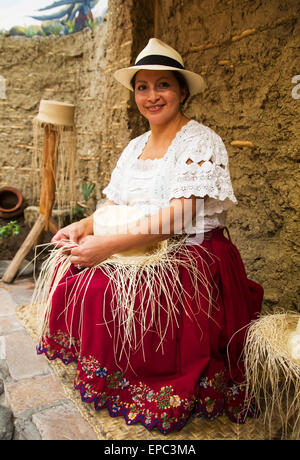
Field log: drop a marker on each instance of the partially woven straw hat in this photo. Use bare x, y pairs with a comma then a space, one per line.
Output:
113, 220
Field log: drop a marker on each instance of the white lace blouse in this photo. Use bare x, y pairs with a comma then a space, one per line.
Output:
151, 184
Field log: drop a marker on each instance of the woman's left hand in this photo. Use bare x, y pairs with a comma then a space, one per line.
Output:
91, 251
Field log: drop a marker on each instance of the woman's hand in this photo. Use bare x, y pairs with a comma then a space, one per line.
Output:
91, 251
74, 233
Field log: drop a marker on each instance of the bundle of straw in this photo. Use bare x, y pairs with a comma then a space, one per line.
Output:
272, 373
147, 276
65, 154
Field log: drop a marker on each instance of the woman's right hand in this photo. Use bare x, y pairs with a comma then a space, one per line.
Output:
74, 232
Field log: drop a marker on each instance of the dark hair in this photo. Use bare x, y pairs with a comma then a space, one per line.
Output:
180, 79
182, 83
132, 81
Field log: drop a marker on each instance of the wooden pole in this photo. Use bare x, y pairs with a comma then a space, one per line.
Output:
48, 174
47, 196
30, 241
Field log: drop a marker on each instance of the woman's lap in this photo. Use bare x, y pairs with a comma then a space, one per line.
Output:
178, 367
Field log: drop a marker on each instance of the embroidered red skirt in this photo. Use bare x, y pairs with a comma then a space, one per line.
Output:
196, 371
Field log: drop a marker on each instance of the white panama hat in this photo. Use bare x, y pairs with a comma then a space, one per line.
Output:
157, 55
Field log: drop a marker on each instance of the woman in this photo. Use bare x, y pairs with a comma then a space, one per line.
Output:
177, 173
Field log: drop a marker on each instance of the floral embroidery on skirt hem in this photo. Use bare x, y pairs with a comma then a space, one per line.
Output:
166, 411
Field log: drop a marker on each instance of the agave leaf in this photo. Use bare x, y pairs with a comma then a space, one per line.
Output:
87, 9
73, 13
91, 4
70, 11
58, 15
60, 3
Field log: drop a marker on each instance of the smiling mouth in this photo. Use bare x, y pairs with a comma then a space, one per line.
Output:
155, 108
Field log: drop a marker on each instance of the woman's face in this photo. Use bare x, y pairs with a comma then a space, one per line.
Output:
158, 95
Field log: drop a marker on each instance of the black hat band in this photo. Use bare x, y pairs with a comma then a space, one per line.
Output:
158, 59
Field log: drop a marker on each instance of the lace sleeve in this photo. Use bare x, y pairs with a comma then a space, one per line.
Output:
201, 169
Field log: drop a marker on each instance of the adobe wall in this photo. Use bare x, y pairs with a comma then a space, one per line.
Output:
246, 51
130, 24
62, 68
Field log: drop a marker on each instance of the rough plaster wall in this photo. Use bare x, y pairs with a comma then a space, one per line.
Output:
249, 97
115, 134
68, 68
130, 24
247, 52
77, 69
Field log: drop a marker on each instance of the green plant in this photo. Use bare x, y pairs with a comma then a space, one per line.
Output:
92, 23
17, 30
74, 10
52, 28
69, 27
87, 189
32, 30
80, 210
11, 229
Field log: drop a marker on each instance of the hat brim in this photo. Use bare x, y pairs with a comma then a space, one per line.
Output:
194, 81
54, 120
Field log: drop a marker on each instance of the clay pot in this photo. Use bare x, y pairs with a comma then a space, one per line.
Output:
11, 202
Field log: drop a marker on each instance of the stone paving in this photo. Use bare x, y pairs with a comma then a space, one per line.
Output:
33, 405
